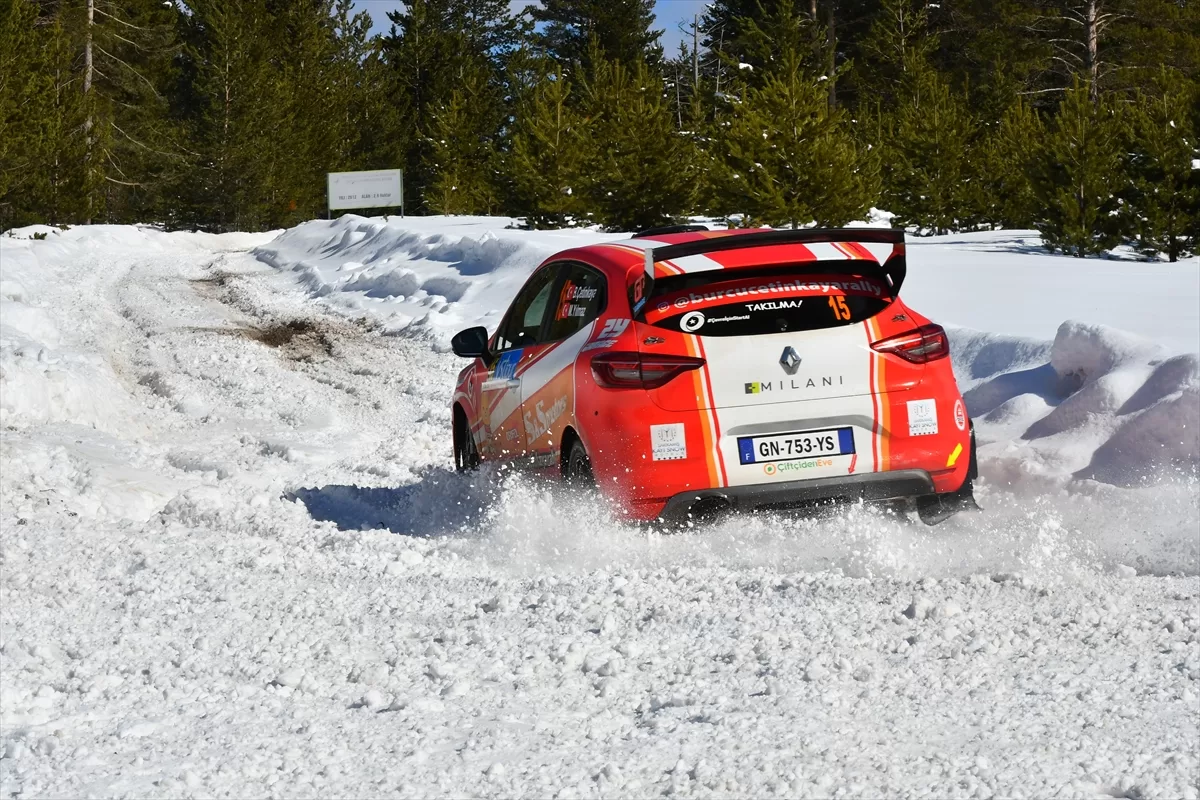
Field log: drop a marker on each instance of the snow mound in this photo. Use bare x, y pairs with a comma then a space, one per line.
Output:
423, 275
1097, 404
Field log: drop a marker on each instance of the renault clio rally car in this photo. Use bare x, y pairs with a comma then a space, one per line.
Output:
686, 372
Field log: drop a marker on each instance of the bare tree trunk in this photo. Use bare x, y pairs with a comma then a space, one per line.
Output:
1091, 60
678, 98
831, 55
720, 51
695, 55
816, 33
88, 122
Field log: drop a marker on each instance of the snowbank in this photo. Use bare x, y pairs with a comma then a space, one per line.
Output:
439, 274
1096, 404
424, 275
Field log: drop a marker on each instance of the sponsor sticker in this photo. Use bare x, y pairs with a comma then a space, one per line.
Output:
691, 321
567, 307
772, 305
637, 293
667, 442
922, 417
754, 290
506, 365
794, 384
960, 415
539, 420
784, 467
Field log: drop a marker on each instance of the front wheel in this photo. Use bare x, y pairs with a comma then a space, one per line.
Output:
577, 469
466, 455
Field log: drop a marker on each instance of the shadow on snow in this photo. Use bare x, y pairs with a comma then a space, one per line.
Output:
441, 503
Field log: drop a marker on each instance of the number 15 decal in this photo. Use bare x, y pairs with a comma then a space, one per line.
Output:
840, 309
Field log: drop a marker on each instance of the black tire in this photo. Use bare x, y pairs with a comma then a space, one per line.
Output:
577, 467
466, 455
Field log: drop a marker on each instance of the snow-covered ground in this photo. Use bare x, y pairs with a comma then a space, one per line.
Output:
235, 559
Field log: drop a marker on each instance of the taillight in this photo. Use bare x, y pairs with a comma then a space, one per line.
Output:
927, 343
639, 370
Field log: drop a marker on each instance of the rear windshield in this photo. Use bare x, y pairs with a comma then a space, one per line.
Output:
721, 303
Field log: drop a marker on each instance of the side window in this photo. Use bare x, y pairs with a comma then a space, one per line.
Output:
525, 315
578, 300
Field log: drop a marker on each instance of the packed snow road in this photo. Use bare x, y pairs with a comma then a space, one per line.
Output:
236, 562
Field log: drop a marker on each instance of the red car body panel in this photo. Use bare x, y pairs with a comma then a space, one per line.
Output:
694, 433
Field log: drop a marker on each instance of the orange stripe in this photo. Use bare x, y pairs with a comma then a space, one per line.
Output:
841, 249
712, 406
870, 329
885, 406
664, 269
705, 429
860, 252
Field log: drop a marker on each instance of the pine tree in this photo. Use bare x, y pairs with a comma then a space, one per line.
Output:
634, 171
897, 51
791, 157
545, 164
832, 35
85, 89
462, 153
233, 102
1165, 201
1006, 159
999, 49
123, 54
928, 173
44, 160
432, 48
1079, 174
621, 28
24, 85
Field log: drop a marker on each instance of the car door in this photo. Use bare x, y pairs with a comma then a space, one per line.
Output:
547, 376
500, 392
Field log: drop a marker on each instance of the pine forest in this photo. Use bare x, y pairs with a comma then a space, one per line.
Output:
1077, 118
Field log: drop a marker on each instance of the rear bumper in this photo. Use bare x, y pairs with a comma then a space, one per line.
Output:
895, 485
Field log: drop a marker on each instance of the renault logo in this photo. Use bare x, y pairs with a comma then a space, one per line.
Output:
790, 361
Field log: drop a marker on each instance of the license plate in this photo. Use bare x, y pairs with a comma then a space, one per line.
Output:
793, 446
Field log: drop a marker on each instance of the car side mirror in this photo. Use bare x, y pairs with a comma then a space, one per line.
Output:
471, 343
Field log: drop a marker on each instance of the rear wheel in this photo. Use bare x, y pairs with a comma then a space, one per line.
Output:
577, 468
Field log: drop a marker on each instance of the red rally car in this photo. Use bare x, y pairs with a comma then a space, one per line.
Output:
687, 372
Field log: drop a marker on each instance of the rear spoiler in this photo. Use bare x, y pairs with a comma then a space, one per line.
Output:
892, 270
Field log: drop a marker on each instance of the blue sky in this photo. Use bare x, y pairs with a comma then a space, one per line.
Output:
668, 16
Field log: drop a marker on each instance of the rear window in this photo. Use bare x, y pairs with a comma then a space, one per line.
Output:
721, 303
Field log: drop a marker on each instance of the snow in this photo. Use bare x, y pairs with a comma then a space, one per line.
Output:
236, 559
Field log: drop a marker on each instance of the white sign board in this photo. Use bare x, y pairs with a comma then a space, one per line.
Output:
372, 189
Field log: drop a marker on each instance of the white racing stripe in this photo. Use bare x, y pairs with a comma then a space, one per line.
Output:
555, 360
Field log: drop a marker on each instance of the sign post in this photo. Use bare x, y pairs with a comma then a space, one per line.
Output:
378, 188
